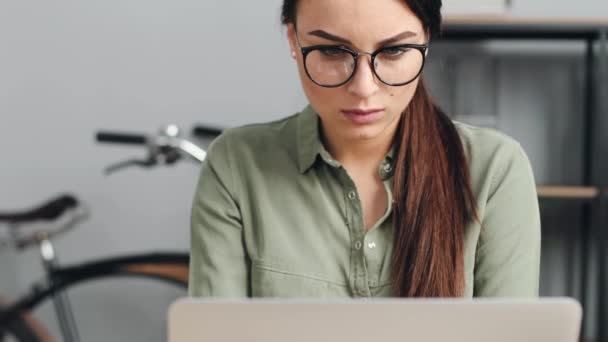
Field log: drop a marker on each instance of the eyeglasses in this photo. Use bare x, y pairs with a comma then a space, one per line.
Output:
331, 66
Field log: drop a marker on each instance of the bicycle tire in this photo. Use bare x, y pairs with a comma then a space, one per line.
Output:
168, 267
24, 328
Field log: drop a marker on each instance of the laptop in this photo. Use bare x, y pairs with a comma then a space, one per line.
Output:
375, 320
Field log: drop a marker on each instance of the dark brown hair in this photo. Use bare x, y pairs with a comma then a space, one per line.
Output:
432, 189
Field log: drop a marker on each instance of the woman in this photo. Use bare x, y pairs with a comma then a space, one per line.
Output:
371, 190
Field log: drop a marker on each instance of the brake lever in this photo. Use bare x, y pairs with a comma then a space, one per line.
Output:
192, 150
166, 155
128, 163
166, 148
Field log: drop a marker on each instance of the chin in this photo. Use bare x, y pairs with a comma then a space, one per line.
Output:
365, 133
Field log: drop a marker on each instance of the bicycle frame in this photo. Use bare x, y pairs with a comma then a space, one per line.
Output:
166, 146
169, 267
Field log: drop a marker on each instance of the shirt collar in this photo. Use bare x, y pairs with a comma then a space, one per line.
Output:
310, 146
308, 140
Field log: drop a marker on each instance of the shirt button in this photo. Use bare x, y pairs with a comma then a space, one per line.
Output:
352, 195
371, 245
358, 245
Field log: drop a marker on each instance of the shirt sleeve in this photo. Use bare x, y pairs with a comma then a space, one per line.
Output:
508, 250
218, 260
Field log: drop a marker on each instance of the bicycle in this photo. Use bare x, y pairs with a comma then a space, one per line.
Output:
167, 147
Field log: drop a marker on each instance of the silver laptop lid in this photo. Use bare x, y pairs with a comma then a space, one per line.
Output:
280, 320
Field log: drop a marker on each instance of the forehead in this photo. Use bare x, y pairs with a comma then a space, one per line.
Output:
358, 20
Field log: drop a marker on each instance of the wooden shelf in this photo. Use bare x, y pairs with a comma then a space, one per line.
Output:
511, 20
526, 28
572, 192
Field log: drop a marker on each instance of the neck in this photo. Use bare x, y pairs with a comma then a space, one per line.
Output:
360, 154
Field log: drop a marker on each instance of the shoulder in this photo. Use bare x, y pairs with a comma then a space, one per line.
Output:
485, 142
504, 244
260, 133
492, 156
251, 143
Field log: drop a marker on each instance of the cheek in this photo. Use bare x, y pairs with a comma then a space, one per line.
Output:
406, 92
310, 89
324, 100
400, 98
315, 94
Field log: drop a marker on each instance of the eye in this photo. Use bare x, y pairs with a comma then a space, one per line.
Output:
395, 51
332, 51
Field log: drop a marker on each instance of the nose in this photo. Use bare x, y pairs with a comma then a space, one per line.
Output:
364, 82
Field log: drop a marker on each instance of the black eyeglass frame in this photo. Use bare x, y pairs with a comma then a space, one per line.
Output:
422, 48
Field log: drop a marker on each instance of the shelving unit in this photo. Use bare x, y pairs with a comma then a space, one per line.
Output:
568, 192
591, 31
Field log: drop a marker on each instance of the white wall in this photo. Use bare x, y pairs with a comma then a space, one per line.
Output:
69, 68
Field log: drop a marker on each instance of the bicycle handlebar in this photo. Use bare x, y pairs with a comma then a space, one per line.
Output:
121, 138
206, 131
165, 147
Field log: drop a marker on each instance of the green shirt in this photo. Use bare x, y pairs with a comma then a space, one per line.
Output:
275, 216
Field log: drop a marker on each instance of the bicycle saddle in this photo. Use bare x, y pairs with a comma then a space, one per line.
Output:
46, 212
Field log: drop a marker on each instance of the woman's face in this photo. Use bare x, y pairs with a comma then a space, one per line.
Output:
361, 25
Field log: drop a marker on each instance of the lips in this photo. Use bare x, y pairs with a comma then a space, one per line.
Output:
360, 111
363, 116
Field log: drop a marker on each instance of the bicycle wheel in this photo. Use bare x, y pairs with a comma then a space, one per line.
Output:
170, 268
24, 328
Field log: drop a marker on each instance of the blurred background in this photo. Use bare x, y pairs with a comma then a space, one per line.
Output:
71, 68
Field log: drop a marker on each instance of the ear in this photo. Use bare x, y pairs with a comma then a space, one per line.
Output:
291, 38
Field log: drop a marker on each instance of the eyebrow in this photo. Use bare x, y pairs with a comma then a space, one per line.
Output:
332, 37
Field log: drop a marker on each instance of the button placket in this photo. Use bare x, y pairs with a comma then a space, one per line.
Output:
385, 169
358, 245
359, 273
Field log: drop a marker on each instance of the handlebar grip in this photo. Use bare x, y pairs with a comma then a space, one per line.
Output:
121, 138
206, 131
